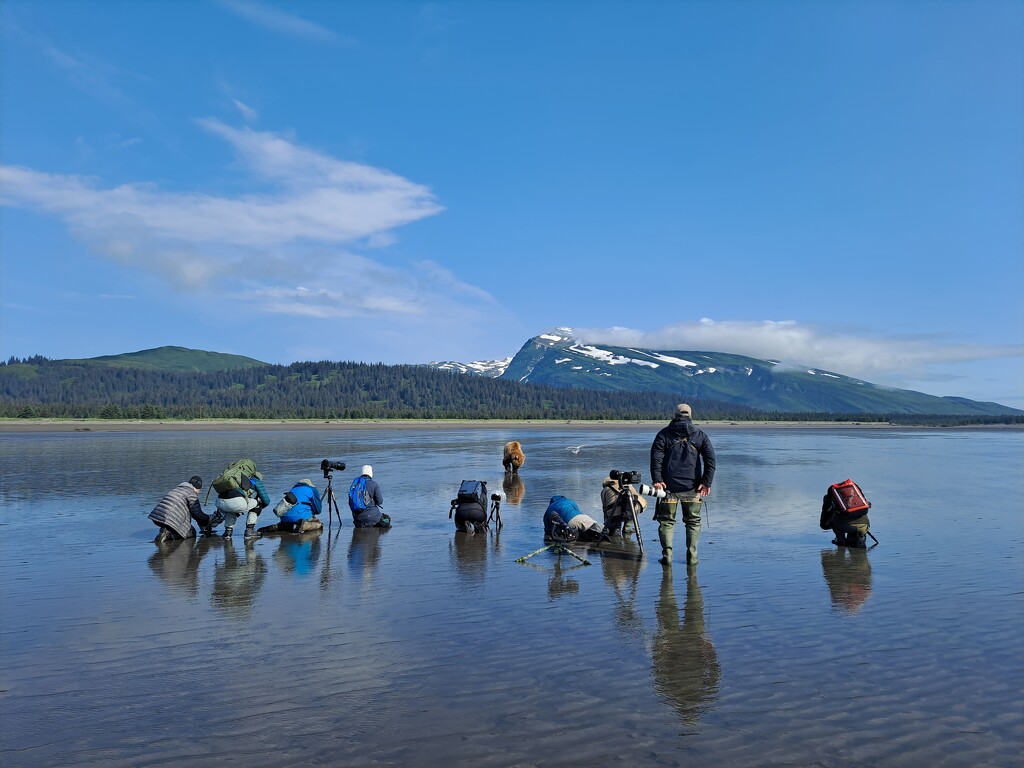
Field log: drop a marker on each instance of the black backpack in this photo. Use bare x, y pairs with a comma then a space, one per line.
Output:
471, 503
472, 492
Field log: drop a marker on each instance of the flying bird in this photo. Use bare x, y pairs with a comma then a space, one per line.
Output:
574, 448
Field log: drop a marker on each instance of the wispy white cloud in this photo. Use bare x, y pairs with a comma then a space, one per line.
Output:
288, 243
276, 20
438, 17
306, 196
89, 73
880, 359
248, 113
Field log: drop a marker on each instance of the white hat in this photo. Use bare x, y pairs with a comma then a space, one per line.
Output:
367, 470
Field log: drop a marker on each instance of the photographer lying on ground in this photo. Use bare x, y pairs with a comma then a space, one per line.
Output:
298, 510
563, 521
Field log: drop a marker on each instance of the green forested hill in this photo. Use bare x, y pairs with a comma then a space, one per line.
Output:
329, 390
174, 359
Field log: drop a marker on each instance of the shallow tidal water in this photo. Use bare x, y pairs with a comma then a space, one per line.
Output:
420, 646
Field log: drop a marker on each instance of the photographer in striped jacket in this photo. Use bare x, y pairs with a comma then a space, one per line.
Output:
174, 513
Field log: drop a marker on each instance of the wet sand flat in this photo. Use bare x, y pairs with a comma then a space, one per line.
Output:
420, 646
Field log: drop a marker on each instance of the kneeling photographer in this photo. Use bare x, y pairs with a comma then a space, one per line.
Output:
564, 522
298, 510
683, 466
367, 502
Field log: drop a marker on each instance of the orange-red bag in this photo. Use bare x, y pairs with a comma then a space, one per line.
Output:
848, 497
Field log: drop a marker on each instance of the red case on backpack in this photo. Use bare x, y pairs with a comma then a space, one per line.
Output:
848, 497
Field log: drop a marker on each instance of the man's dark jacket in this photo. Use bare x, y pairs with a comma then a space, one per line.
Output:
682, 457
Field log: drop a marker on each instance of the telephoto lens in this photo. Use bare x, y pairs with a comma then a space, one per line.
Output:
650, 490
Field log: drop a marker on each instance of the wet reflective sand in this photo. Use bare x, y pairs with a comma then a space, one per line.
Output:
420, 646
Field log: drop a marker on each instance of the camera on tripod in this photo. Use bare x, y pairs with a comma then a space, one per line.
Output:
624, 477
328, 466
563, 533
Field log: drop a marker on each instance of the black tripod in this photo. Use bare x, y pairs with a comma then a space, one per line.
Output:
626, 493
495, 512
331, 502
558, 548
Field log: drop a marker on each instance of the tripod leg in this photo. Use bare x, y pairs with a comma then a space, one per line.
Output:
636, 522
565, 550
524, 558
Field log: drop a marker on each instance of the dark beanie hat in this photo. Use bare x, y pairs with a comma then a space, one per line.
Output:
196, 481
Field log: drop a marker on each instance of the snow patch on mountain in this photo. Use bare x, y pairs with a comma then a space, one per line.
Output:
673, 360
489, 368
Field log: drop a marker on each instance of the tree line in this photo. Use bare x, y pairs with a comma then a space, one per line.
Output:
37, 387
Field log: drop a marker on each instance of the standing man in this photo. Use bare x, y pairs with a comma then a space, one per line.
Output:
174, 513
682, 463
366, 501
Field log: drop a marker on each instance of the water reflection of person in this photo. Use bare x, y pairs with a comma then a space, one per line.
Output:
514, 488
364, 551
299, 553
684, 660
621, 571
469, 551
848, 576
176, 563
237, 579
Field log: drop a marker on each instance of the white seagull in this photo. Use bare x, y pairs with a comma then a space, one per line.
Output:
574, 448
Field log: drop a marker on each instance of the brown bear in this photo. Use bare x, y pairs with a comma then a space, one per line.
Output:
514, 457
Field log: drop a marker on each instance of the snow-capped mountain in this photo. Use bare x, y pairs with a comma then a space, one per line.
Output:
558, 358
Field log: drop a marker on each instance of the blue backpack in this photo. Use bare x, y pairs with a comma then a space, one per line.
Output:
358, 497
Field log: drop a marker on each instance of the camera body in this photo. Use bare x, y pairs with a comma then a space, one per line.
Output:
624, 477
564, 533
648, 490
328, 466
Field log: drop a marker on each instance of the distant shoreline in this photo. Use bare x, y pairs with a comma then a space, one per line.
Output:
32, 426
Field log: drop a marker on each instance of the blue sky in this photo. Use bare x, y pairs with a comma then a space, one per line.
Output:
836, 184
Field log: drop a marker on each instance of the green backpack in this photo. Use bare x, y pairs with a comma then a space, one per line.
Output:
236, 477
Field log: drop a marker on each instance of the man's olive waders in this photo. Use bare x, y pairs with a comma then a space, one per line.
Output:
665, 514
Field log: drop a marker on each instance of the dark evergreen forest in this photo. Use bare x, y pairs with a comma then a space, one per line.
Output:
39, 387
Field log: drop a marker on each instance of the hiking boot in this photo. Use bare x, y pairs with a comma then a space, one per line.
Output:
163, 537
250, 532
215, 519
227, 533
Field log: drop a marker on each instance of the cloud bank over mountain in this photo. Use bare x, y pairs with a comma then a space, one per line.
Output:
883, 359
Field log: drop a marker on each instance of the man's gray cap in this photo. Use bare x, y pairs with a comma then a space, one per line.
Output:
684, 410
